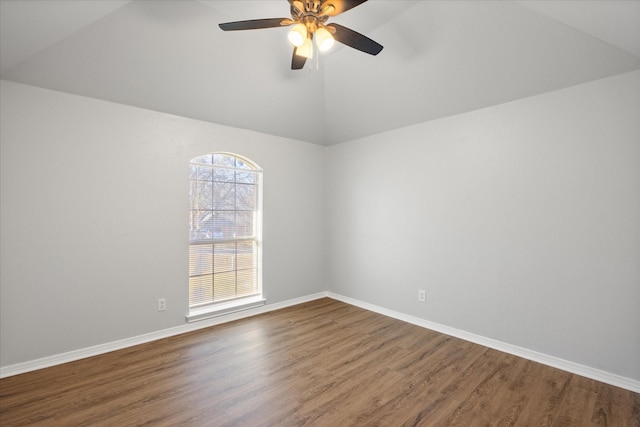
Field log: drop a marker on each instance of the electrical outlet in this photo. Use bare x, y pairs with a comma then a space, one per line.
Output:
422, 295
162, 304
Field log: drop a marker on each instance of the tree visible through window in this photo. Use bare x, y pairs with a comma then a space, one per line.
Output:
224, 231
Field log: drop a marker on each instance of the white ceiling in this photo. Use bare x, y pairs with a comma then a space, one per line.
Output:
440, 58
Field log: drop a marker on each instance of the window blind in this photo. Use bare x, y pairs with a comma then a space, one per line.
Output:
224, 229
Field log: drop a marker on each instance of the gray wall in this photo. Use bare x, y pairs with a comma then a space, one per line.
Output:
94, 218
521, 221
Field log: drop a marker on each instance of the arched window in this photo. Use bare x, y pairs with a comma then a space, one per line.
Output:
224, 233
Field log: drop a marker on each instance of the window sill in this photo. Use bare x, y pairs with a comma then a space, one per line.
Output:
225, 308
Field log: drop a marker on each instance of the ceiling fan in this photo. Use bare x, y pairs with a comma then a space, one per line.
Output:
308, 18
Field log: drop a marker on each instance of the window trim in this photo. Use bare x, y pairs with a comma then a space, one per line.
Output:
221, 308
224, 308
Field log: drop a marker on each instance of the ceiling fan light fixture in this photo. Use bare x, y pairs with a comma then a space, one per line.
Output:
298, 35
324, 39
306, 49
308, 30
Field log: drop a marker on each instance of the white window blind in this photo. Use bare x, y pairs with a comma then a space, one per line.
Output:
224, 232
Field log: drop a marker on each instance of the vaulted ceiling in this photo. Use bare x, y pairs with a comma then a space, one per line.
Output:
440, 58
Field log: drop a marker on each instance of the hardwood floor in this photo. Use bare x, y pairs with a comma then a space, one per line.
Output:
322, 363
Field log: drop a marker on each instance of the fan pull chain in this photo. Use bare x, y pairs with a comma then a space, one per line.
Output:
315, 57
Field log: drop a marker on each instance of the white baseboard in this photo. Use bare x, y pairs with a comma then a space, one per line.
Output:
82, 353
565, 365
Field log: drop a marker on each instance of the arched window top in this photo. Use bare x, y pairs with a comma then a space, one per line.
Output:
225, 160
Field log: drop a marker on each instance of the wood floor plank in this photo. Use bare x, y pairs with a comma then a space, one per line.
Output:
322, 363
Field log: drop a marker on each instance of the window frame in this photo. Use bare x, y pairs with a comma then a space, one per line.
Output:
237, 303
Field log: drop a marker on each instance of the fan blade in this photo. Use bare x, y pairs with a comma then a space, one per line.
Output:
297, 62
354, 39
340, 6
255, 24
